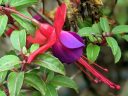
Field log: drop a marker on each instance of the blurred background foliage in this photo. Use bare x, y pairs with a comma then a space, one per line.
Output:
117, 12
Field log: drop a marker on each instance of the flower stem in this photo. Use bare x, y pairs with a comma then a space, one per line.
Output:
21, 15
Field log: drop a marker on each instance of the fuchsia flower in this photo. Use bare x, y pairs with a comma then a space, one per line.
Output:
45, 35
66, 46
69, 47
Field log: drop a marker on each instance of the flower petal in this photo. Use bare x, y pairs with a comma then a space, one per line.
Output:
51, 40
66, 55
46, 30
60, 18
70, 41
39, 38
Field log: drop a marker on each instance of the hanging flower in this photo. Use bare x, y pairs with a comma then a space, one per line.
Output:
69, 48
45, 36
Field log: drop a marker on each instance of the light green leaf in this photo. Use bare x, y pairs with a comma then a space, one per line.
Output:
96, 28
50, 62
120, 29
118, 55
3, 23
2, 93
92, 52
15, 81
26, 24
5, 1
51, 90
113, 44
36, 82
8, 62
104, 24
125, 37
17, 3
1, 1
64, 81
34, 47
86, 31
18, 39
115, 48
3, 76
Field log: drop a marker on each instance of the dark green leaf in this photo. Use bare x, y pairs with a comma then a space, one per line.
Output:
8, 62
3, 76
36, 82
104, 24
18, 39
64, 81
3, 23
15, 81
51, 90
120, 29
50, 75
50, 62
92, 52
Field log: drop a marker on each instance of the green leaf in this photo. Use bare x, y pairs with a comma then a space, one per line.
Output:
2, 93
3, 23
115, 48
51, 90
104, 24
118, 55
125, 37
96, 28
3, 76
50, 62
17, 3
15, 81
64, 81
18, 39
8, 62
86, 31
5, 1
120, 29
50, 76
92, 52
26, 24
34, 47
1, 1
113, 44
36, 82
36, 93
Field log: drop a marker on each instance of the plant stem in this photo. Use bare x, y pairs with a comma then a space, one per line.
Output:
18, 13
43, 16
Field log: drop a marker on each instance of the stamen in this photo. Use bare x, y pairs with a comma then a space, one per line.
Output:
104, 69
98, 75
89, 76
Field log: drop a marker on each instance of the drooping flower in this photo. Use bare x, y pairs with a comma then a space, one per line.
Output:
69, 48
45, 36
66, 46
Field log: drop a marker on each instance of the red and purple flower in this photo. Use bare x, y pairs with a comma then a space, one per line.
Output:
66, 46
